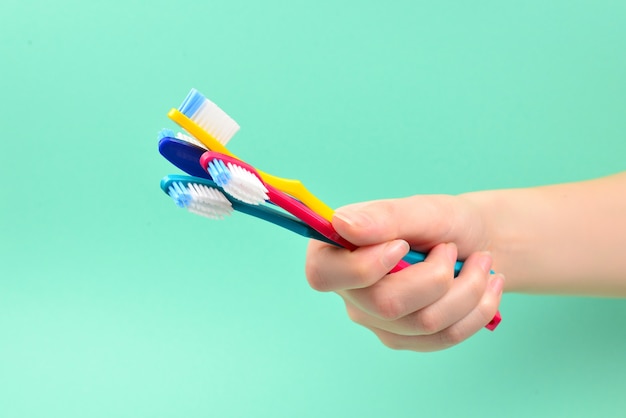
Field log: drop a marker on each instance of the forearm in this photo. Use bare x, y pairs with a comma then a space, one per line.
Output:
560, 239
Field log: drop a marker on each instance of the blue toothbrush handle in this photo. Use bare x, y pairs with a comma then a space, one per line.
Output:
271, 214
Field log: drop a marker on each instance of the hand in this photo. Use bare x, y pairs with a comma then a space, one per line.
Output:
421, 308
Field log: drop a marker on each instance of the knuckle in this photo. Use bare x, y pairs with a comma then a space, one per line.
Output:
442, 278
453, 336
427, 321
440, 271
387, 306
444, 282
315, 278
476, 287
362, 274
367, 272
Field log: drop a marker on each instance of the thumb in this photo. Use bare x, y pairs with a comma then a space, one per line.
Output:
366, 223
423, 221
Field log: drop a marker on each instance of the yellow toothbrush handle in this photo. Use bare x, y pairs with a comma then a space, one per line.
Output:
200, 134
296, 189
292, 187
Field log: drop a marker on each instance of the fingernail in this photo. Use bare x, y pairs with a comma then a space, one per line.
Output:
485, 261
354, 219
497, 284
393, 252
451, 251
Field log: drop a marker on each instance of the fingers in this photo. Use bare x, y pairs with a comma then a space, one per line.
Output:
421, 315
403, 317
400, 294
456, 333
330, 268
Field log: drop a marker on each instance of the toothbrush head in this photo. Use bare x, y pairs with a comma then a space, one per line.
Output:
200, 199
168, 133
184, 155
209, 116
238, 179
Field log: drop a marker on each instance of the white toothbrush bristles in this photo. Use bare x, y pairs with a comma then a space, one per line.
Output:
201, 200
215, 121
190, 139
245, 186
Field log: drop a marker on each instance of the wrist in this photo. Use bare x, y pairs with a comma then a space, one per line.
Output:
507, 234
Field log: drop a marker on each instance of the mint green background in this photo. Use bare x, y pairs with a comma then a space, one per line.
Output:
113, 303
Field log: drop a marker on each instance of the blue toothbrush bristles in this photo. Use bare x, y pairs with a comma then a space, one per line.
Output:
219, 172
166, 133
192, 102
180, 194
200, 199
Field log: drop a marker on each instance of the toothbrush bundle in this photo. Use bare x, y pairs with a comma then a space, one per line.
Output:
219, 183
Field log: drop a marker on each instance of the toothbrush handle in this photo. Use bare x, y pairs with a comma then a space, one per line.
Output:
296, 189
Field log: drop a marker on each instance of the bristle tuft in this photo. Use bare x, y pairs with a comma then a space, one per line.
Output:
245, 186
200, 199
180, 194
219, 172
208, 202
166, 133
209, 116
238, 182
190, 140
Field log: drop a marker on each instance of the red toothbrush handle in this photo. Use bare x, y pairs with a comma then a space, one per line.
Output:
495, 321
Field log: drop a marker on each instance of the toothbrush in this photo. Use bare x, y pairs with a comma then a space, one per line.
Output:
189, 192
204, 197
242, 181
214, 128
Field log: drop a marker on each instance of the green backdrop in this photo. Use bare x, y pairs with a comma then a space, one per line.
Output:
114, 303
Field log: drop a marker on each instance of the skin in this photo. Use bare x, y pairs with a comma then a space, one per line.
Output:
566, 239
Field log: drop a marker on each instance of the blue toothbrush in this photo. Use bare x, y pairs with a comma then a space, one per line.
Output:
183, 190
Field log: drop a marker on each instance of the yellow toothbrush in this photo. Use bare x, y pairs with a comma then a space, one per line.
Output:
213, 127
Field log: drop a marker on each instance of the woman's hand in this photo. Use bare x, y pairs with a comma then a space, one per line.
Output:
422, 307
